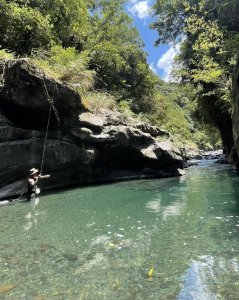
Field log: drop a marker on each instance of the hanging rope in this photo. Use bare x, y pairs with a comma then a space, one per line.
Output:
46, 135
52, 107
50, 100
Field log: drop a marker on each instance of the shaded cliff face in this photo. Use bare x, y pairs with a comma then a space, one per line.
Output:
235, 114
82, 148
216, 112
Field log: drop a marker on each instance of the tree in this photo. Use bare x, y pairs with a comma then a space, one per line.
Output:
207, 54
117, 55
69, 19
23, 28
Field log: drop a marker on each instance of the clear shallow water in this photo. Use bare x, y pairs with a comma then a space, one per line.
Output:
99, 242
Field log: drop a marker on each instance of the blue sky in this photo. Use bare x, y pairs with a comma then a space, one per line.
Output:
160, 58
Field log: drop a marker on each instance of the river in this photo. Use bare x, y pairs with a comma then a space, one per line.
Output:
100, 242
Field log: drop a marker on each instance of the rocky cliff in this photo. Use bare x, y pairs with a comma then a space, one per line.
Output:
235, 117
81, 148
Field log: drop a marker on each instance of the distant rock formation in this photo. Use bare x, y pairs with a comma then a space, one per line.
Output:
83, 148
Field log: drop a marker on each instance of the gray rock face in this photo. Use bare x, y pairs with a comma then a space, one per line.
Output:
235, 117
83, 148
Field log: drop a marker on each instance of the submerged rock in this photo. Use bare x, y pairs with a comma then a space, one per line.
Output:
6, 288
70, 256
83, 148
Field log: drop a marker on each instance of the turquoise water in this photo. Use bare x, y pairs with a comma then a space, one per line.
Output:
100, 242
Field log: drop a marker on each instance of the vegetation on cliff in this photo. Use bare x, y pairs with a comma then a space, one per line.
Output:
94, 46
208, 32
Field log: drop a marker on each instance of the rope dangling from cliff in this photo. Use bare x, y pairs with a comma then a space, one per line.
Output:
46, 135
52, 107
50, 100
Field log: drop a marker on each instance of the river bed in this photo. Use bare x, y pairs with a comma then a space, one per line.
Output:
100, 242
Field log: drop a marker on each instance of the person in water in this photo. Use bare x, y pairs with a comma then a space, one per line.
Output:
35, 175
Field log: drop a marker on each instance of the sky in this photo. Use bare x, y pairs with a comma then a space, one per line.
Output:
160, 58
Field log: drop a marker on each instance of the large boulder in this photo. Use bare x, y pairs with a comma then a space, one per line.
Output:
26, 94
82, 148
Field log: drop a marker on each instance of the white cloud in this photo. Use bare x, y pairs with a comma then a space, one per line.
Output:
165, 63
140, 9
152, 67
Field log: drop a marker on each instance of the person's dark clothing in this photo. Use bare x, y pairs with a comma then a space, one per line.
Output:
31, 193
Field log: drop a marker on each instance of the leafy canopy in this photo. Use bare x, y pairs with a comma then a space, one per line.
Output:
208, 32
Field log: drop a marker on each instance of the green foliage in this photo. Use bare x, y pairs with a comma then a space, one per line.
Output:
4, 54
171, 16
67, 65
170, 110
209, 47
23, 28
207, 138
169, 20
110, 22
107, 61
117, 55
174, 108
69, 20
125, 107
101, 100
